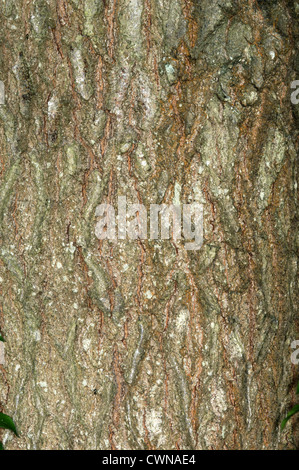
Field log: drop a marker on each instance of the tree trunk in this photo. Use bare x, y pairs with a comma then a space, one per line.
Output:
123, 344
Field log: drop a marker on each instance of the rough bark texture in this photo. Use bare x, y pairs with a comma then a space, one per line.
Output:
144, 345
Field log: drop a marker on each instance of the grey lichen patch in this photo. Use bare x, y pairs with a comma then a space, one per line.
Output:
71, 337
171, 72
101, 282
154, 424
8, 8
94, 24
125, 147
225, 82
95, 191
218, 400
215, 138
118, 314
8, 184
148, 100
72, 153
239, 36
82, 84
270, 165
178, 327
162, 184
41, 19
41, 203
70, 168
143, 167
184, 395
85, 232
9, 123
207, 256
235, 347
12, 264
130, 22
250, 96
139, 351
91, 9
53, 106
94, 129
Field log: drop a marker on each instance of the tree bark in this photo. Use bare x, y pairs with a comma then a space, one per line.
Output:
142, 344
